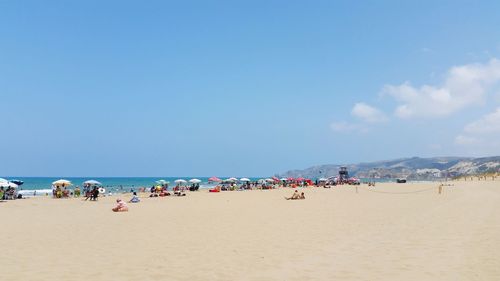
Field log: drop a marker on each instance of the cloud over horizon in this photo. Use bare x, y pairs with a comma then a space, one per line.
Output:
368, 113
484, 132
464, 86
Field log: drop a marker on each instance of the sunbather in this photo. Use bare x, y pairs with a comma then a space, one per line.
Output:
295, 196
121, 206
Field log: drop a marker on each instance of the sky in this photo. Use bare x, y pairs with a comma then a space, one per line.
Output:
243, 88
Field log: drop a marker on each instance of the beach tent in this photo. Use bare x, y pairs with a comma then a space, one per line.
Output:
180, 181
92, 183
244, 179
61, 183
194, 181
214, 179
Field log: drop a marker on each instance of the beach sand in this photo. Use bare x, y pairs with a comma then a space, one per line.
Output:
335, 234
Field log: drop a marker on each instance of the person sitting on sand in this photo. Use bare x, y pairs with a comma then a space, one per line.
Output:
302, 196
295, 196
179, 193
164, 193
77, 192
135, 198
121, 206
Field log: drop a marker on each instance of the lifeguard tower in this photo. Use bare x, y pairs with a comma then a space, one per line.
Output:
343, 175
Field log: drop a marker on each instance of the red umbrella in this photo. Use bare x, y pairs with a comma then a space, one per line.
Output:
276, 179
300, 179
214, 179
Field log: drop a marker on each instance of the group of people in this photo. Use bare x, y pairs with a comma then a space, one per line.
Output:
8, 193
63, 192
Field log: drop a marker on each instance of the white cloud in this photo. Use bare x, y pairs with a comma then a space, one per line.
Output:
368, 113
463, 87
489, 123
482, 134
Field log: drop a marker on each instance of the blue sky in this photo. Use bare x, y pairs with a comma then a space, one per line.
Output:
243, 88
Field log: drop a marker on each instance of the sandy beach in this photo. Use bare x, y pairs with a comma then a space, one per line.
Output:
393, 232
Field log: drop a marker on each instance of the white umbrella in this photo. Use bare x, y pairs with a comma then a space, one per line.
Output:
162, 182
322, 179
3, 180
181, 181
194, 181
8, 184
283, 179
245, 179
269, 180
92, 182
232, 179
61, 182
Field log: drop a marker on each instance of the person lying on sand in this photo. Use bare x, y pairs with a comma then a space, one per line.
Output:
295, 196
179, 193
121, 206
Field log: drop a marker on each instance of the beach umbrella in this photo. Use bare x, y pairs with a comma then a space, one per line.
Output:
162, 182
244, 179
92, 182
18, 182
180, 181
232, 179
214, 179
61, 182
322, 179
194, 181
8, 184
300, 179
269, 180
275, 179
283, 179
3, 180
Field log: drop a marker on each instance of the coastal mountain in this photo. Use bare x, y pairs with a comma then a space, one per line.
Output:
414, 168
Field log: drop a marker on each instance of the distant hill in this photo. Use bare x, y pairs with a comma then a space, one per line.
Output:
415, 168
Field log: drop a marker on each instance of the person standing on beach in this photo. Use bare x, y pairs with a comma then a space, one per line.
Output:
95, 194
